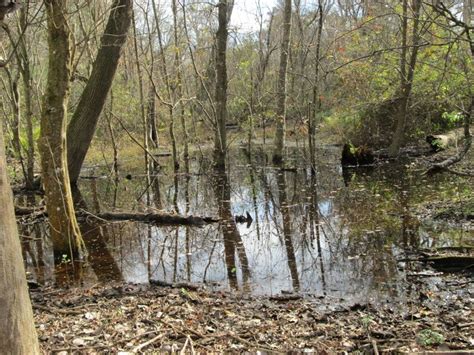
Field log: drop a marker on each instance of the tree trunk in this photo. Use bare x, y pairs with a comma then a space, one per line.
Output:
407, 72
315, 104
52, 143
281, 90
17, 330
84, 121
179, 81
467, 12
220, 138
152, 116
25, 71
169, 90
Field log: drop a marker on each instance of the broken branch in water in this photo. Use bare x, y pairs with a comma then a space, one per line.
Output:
153, 218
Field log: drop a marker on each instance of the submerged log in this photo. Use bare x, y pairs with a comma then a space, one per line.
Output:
356, 156
162, 219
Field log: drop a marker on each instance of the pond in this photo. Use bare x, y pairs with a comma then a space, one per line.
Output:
338, 235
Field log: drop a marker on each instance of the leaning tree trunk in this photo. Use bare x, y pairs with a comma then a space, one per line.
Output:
84, 121
220, 138
17, 328
64, 229
281, 90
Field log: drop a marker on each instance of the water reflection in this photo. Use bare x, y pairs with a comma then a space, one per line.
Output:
326, 234
95, 234
287, 239
234, 248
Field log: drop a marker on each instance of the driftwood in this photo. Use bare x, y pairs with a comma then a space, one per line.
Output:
161, 219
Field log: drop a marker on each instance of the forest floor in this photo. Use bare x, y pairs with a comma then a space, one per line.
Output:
126, 318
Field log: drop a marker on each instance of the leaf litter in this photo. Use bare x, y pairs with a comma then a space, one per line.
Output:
134, 318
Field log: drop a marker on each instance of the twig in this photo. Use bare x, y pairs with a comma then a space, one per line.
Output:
376, 349
199, 335
183, 350
149, 342
79, 348
465, 325
57, 310
250, 344
191, 345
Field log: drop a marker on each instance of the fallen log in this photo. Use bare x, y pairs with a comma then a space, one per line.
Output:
452, 263
157, 218
162, 219
185, 285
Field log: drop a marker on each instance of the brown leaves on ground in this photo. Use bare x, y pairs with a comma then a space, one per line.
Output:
134, 318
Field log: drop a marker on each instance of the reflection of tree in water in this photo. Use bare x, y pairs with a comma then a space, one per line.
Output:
187, 203
326, 237
287, 233
95, 235
315, 226
233, 244
32, 236
375, 209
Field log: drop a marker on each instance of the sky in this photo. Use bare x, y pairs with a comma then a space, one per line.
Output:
244, 13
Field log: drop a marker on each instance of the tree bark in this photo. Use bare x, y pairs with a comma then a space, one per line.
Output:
84, 121
220, 137
65, 232
281, 90
169, 89
312, 121
25, 71
179, 81
17, 330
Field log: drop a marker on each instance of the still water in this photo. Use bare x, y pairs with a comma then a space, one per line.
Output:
336, 235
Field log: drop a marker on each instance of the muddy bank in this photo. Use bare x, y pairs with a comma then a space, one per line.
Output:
437, 315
